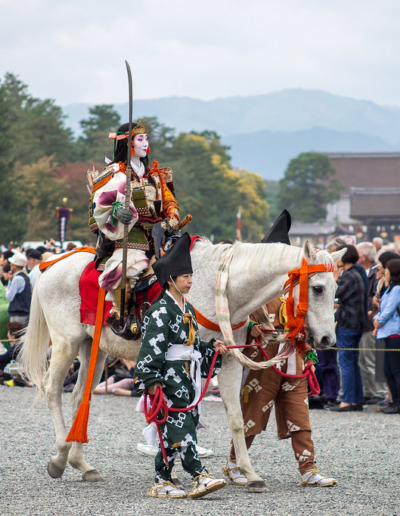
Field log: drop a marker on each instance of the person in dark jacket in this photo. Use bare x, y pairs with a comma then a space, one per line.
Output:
19, 290
374, 392
351, 320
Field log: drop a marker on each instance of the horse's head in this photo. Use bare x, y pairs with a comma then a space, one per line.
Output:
320, 323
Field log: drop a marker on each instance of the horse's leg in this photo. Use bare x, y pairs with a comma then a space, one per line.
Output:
63, 354
229, 381
75, 457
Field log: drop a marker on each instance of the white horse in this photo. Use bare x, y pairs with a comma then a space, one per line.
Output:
257, 275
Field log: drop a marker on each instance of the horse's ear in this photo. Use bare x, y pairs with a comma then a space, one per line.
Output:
337, 255
309, 254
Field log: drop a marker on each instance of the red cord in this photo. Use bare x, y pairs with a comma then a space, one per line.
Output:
158, 403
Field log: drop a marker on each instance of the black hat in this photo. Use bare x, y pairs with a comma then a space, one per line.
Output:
7, 254
279, 231
175, 262
34, 253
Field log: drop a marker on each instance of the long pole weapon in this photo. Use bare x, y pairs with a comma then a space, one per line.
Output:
127, 199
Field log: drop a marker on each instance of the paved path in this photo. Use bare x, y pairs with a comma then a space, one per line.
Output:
362, 450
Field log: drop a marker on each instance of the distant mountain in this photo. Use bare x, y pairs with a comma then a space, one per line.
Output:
283, 123
268, 153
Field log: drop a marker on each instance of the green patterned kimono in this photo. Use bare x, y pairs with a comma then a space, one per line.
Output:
163, 329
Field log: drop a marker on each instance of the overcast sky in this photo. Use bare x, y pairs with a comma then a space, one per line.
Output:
74, 50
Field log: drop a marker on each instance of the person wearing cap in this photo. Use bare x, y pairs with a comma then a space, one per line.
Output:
33, 262
152, 201
19, 290
173, 357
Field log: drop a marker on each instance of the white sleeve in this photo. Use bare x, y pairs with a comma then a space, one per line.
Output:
105, 199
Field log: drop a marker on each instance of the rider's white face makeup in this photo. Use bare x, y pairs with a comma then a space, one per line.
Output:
141, 144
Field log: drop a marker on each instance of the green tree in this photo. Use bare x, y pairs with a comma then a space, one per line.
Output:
95, 144
211, 191
161, 139
12, 225
36, 126
255, 209
272, 197
308, 186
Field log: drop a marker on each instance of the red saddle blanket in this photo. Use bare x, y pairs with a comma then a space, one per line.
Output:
89, 292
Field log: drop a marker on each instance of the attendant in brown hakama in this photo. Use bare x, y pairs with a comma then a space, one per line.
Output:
264, 389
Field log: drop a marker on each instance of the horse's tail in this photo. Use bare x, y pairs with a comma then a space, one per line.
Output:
33, 354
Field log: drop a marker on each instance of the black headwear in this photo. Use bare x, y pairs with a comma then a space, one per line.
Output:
386, 256
279, 231
175, 262
34, 253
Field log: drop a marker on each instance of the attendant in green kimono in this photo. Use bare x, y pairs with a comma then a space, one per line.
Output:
173, 357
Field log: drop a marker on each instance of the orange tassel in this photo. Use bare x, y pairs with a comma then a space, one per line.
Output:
78, 430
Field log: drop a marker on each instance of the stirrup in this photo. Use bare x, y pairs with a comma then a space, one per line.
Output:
313, 478
166, 489
130, 330
234, 474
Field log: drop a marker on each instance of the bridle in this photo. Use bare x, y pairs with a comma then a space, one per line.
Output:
300, 276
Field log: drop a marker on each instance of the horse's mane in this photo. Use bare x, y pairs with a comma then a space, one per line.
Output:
250, 256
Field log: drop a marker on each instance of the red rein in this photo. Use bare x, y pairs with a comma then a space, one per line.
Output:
295, 324
159, 405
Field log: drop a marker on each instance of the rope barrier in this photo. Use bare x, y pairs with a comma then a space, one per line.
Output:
360, 349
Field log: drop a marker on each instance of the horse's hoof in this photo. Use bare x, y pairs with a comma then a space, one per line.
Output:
257, 486
53, 470
92, 476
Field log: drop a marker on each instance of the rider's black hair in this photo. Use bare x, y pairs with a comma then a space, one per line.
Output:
121, 148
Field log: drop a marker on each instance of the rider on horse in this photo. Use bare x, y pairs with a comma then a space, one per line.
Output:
152, 201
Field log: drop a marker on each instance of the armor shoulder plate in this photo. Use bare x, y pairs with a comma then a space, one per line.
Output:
105, 176
167, 174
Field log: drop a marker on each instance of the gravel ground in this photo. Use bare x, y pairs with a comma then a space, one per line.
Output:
361, 450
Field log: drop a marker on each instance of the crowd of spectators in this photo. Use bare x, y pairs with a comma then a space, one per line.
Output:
365, 368
19, 271
367, 314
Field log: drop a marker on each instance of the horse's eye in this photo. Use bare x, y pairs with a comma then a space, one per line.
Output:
318, 289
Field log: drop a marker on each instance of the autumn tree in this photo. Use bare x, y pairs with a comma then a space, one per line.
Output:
44, 193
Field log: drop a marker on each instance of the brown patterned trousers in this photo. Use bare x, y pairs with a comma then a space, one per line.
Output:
265, 389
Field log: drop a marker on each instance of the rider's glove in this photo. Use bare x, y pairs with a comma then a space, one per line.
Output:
123, 215
172, 226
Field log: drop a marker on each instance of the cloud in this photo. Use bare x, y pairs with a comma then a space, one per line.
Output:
74, 51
